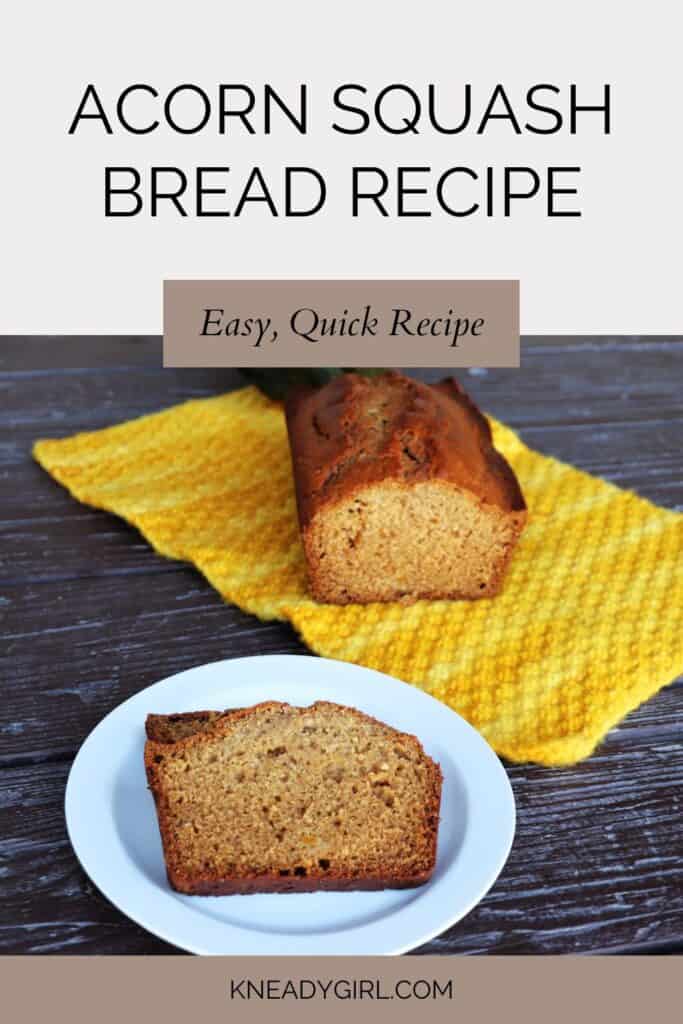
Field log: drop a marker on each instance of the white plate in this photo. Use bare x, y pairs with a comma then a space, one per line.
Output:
112, 823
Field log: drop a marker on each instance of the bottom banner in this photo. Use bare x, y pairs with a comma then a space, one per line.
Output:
172, 989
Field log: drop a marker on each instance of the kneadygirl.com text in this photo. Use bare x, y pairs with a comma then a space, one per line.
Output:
340, 988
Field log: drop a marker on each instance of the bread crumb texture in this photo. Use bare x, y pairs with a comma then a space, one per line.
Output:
588, 624
280, 798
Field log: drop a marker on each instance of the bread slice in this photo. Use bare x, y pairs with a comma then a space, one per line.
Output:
400, 492
277, 798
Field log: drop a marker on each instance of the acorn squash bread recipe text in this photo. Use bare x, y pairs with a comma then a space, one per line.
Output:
237, 112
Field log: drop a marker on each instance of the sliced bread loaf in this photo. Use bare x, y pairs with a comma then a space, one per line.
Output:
277, 798
400, 492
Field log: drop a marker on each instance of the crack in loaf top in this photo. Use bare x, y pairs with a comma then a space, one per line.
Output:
358, 431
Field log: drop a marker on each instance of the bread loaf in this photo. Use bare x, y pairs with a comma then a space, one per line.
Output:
400, 492
277, 798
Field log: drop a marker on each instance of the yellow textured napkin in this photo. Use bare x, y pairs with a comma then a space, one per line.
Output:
589, 624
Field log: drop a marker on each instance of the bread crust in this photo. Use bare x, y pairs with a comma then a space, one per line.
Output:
430, 432
180, 725
206, 883
198, 886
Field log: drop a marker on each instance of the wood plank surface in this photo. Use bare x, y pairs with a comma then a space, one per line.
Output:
90, 615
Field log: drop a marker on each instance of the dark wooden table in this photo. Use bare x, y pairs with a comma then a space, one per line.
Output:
89, 615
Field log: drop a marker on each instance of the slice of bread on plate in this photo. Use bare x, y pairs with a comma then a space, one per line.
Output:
277, 798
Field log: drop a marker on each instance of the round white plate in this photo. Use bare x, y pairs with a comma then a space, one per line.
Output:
112, 822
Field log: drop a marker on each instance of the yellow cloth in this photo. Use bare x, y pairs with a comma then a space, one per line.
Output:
589, 624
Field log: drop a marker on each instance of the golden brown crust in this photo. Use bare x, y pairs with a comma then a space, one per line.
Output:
171, 728
498, 466
208, 883
198, 886
357, 431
